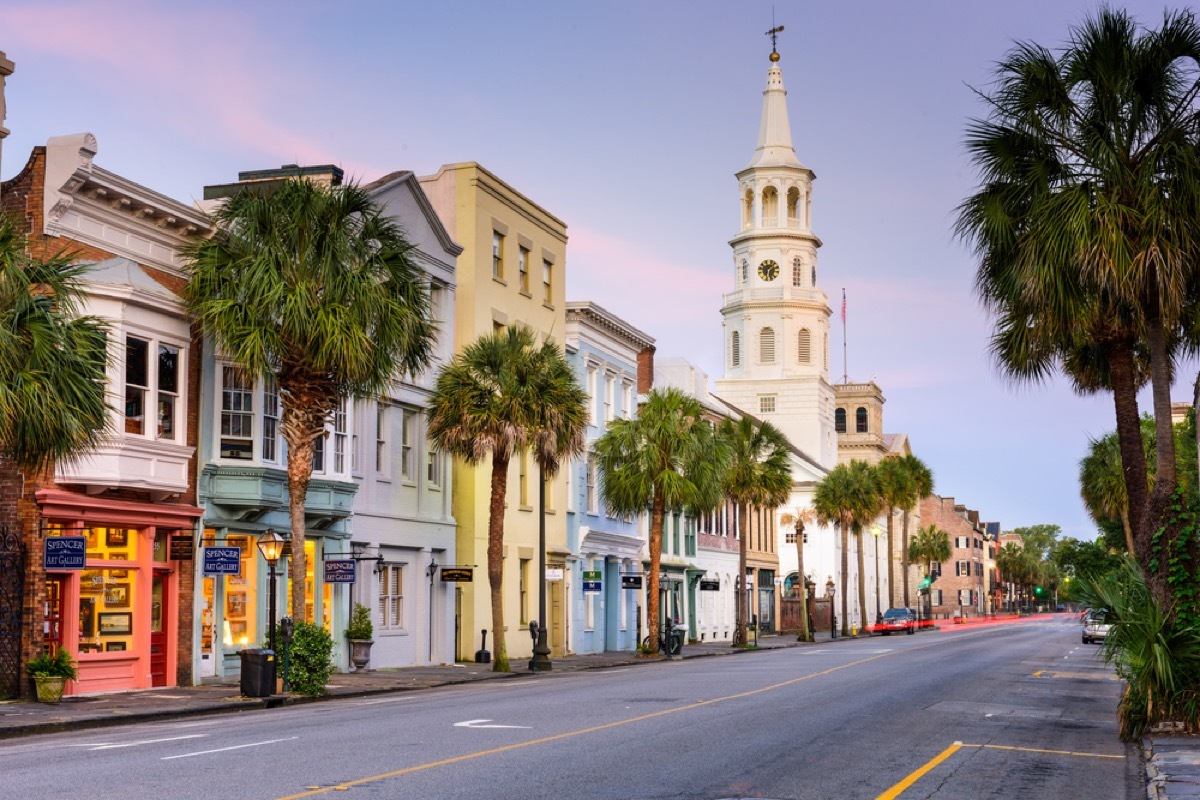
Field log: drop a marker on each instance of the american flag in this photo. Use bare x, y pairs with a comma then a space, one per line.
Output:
843, 306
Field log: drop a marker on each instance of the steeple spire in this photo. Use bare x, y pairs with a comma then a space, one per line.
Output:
774, 134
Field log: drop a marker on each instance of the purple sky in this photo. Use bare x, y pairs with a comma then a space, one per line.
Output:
627, 120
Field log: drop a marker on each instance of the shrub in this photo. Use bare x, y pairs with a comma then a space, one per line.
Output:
309, 658
360, 626
56, 665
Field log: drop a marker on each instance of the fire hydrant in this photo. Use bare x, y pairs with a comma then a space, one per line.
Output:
854, 630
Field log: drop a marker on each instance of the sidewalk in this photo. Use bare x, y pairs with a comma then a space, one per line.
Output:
22, 718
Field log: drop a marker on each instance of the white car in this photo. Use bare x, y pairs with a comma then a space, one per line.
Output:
1095, 625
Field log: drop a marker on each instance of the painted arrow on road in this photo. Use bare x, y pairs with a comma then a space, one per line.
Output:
478, 723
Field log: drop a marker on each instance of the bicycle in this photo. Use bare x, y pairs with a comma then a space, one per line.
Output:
676, 642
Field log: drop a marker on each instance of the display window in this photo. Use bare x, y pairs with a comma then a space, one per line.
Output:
227, 604
316, 600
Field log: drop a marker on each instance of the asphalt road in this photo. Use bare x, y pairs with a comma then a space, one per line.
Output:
1006, 711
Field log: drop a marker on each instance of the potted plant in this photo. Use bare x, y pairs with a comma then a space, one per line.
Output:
359, 632
50, 673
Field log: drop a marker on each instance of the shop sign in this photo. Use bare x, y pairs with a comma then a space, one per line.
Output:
591, 581
222, 561
457, 575
181, 548
554, 573
65, 552
710, 586
340, 571
631, 581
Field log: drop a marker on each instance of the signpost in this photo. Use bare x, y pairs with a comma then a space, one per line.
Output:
592, 581
631, 581
64, 552
457, 575
222, 561
340, 571
710, 586
181, 548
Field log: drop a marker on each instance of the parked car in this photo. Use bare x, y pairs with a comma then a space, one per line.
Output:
1095, 625
897, 619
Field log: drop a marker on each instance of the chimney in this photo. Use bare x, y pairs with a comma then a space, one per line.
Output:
646, 370
264, 181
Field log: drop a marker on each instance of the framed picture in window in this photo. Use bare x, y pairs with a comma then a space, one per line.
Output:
87, 617
114, 647
118, 623
116, 537
91, 581
235, 604
122, 556
116, 595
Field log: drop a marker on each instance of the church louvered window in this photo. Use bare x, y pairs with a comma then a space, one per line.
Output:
860, 420
804, 346
766, 344
735, 349
797, 272
839, 420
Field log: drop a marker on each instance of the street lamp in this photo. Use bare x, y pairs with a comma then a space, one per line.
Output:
270, 544
541, 651
875, 531
832, 613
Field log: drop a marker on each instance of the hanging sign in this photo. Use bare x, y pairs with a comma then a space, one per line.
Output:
710, 586
631, 581
591, 581
554, 573
181, 548
340, 571
457, 575
222, 561
65, 552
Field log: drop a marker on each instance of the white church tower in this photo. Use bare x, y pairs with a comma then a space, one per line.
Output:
776, 319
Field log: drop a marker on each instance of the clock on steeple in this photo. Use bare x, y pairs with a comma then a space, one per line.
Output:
768, 270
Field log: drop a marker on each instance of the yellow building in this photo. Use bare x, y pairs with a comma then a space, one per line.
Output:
511, 271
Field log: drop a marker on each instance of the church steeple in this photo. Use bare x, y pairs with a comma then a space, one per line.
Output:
774, 133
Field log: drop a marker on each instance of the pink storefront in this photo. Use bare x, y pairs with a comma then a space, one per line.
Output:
120, 614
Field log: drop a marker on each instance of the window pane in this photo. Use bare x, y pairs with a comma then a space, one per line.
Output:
168, 364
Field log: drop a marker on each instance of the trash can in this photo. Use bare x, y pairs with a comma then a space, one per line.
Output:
258, 673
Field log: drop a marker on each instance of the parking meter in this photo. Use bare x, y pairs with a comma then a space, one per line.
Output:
670, 635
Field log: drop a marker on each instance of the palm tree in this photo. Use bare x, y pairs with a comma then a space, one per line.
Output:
922, 486
52, 361
668, 459
759, 476
799, 519
1011, 562
313, 288
1091, 180
897, 490
1102, 484
505, 392
930, 545
848, 497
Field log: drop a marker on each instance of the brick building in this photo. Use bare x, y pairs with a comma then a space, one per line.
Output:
128, 614
961, 585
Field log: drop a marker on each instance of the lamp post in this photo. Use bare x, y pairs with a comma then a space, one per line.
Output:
270, 544
875, 531
832, 614
541, 651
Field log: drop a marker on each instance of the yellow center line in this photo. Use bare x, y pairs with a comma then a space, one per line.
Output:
468, 756
898, 789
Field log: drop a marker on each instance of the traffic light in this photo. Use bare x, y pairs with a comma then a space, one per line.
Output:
1038, 591
925, 582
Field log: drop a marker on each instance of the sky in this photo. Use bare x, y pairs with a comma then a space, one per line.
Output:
627, 120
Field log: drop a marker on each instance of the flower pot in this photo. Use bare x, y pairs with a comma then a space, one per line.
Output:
360, 653
49, 688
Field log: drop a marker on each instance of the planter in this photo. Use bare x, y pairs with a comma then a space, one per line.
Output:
49, 688
360, 653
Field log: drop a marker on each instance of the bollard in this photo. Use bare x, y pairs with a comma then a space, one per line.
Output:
482, 656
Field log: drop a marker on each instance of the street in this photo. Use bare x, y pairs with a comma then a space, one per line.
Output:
1016, 710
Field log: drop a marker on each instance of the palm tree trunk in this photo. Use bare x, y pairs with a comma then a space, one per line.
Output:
657, 511
904, 566
862, 584
1125, 526
739, 631
1129, 440
1156, 514
844, 525
301, 425
495, 558
805, 633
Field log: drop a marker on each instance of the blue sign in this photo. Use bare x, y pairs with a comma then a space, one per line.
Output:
65, 552
340, 571
591, 586
222, 561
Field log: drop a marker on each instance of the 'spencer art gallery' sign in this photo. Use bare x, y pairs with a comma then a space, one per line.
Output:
64, 552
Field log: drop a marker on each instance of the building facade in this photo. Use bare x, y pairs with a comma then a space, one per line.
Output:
128, 613
511, 271
960, 588
606, 550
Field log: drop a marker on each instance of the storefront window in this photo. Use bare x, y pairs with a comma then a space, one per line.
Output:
106, 603
311, 561
227, 601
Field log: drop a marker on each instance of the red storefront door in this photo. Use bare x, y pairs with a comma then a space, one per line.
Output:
158, 628
52, 633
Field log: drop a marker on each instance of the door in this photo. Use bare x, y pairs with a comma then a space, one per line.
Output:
52, 632
158, 628
558, 643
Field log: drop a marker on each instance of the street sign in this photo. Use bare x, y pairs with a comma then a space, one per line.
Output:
340, 571
458, 575
631, 581
65, 552
710, 586
554, 573
222, 561
592, 586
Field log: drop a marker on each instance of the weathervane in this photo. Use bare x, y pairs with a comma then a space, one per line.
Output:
773, 33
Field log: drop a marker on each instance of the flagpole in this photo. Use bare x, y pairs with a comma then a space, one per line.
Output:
845, 369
